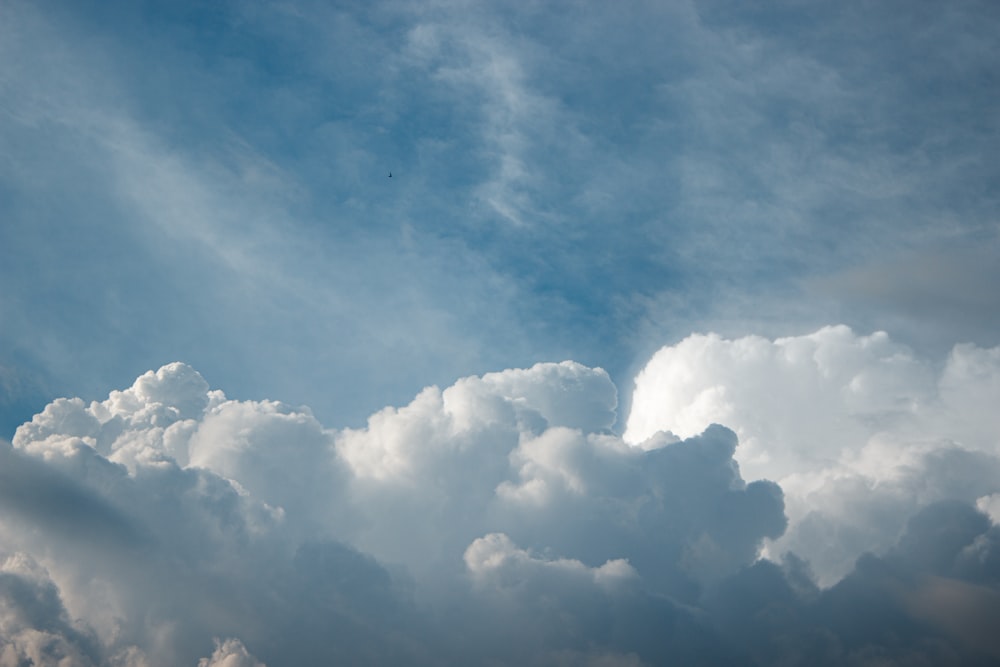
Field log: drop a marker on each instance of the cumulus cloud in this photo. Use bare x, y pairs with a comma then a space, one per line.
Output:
516, 453
501, 497
501, 521
857, 430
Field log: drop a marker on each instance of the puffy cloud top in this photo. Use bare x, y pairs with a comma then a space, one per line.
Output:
856, 429
793, 401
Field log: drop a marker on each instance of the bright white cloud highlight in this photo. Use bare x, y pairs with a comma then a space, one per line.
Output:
856, 429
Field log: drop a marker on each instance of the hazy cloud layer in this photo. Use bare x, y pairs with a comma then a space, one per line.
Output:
499, 521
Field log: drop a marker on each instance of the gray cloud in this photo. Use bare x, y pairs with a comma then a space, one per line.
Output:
950, 284
931, 599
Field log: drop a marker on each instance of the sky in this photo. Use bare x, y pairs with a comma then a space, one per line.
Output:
673, 337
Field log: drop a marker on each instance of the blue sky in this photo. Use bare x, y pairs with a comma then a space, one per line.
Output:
207, 182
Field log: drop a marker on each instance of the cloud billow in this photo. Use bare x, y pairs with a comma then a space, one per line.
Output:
858, 430
501, 521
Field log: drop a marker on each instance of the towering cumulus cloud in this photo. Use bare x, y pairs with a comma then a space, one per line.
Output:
501, 521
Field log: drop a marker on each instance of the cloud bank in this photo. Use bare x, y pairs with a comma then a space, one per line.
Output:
501, 521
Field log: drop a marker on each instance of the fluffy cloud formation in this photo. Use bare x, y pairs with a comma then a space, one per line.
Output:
856, 429
498, 521
168, 516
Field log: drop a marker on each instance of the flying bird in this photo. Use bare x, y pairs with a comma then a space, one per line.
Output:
390, 174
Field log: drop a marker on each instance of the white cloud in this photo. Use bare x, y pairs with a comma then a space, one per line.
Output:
831, 384
857, 429
527, 453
